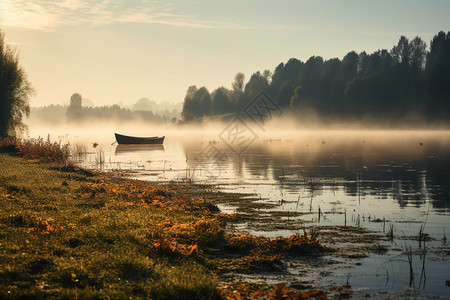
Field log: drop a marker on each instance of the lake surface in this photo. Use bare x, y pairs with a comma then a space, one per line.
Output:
379, 180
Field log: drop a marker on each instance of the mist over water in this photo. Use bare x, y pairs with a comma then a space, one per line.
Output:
378, 161
351, 145
355, 177
271, 156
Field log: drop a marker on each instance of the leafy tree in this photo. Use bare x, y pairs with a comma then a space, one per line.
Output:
277, 79
438, 75
418, 53
254, 86
409, 53
205, 101
267, 74
331, 82
237, 93
350, 66
378, 62
282, 74
402, 51
197, 103
221, 101
15, 91
74, 110
238, 84
310, 78
363, 62
292, 70
76, 101
191, 105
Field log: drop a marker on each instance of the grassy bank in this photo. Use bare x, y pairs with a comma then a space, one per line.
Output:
66, 232
63, 235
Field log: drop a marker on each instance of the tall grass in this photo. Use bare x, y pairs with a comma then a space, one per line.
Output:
78, 151
39, 148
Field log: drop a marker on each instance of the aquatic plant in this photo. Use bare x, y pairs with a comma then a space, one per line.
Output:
79, 151
444, 238
390, 232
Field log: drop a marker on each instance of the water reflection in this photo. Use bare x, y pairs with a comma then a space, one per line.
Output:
409, 169
409, 172
123, 149
380, 181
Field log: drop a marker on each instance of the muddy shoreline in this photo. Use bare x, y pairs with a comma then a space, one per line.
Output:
350, 245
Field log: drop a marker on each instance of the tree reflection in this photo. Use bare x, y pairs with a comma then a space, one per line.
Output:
408, 174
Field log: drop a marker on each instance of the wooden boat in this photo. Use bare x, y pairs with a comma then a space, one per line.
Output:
125, 139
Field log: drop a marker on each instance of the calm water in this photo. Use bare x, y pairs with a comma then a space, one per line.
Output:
401, 177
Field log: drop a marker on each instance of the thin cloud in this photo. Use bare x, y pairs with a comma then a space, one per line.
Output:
48, 15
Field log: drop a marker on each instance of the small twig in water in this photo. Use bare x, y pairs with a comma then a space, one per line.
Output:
410, 262
319, 215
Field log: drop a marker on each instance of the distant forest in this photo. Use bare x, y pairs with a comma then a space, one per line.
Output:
407, 83
143, 110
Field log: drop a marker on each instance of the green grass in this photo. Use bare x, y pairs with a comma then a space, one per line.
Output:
58, 241
67, 232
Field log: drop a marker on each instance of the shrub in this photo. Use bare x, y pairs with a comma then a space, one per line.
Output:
8, 145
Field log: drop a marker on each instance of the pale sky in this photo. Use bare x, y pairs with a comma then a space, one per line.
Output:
120, 51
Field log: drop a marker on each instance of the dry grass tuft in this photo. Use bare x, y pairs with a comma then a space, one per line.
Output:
44, 150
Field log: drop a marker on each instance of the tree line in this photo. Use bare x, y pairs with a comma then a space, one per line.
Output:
57, 114
407, 80
77, 113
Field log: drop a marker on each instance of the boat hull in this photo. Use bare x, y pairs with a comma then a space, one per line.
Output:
127, 140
